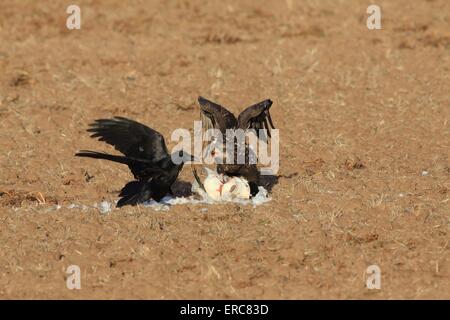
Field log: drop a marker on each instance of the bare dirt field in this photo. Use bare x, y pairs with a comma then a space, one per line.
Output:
364, 119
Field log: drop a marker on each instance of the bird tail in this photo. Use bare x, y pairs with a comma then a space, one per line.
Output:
101, 155
134, 192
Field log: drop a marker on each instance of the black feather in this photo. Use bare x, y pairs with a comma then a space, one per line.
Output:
254, 118
144, 152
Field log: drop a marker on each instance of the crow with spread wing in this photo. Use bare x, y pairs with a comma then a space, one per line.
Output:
255, 117
144, 152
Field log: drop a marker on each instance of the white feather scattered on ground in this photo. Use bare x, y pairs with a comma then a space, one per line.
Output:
164, 205
104, 207
261, 197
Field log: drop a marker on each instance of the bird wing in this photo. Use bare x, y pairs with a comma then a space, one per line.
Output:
131, 138
215, 116
257, 117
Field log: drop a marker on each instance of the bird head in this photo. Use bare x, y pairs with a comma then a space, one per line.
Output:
213, 153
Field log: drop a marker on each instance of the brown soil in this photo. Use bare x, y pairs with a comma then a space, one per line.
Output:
364, 125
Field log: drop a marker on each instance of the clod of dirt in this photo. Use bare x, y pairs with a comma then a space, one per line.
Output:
407, 44
185, 108
68, 181
412, 27
289, 176
220, 39
14, 198
20, 79
88, 177
354, 164
357, 240
436, 40
443, 190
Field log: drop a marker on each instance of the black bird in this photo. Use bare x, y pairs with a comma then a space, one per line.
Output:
255, 117
144, 152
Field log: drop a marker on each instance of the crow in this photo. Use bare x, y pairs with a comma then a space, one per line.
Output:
144, 152
255, 117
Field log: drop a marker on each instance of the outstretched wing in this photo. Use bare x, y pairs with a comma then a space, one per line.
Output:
132, 138
257, 117
215, 116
